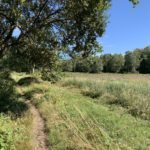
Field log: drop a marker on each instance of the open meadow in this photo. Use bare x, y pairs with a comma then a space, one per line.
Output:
83, 112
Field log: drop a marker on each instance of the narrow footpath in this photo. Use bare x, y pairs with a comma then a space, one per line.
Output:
39, 136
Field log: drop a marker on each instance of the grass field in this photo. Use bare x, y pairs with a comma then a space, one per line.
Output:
128, 91
76, 119
92, 111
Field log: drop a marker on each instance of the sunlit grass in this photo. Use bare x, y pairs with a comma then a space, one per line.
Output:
134, 96
81, 113
75, 121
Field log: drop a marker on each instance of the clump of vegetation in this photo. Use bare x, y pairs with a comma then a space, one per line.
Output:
92, 90
6, 92
94, 93
9, 134
15, 134
9, 99
52, 77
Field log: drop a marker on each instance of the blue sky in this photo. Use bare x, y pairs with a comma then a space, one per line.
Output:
16, 32
128, 27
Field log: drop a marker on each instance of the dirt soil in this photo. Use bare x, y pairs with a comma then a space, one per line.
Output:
39, 136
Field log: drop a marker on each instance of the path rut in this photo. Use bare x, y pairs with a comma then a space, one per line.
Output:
39, 136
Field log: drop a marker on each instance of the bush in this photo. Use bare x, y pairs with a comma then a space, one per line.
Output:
9, 99
6, 93
52, 77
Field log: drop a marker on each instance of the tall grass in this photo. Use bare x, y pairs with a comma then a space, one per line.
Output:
76, 122
15, 134
131, 95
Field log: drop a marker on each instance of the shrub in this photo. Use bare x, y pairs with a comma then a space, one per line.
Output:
52, 77
9, 99
6, 94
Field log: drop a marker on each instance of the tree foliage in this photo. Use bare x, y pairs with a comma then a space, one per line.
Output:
48, 28
76, 24
116, 63
112, 63
134, 1
132, 62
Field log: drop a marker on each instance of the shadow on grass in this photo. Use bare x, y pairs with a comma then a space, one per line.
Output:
9, 100
27, 81
13, 107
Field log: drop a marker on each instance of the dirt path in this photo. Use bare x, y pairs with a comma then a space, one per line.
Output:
39, 137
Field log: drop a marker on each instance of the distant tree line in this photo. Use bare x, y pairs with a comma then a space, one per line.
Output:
137, 61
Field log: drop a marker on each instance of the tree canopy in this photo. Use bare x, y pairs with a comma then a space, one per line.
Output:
48, 28
71, 25
134, 1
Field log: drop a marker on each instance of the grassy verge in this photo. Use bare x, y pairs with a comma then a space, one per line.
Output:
15, 118
14, 134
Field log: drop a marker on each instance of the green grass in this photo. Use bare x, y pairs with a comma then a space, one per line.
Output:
15, 117
87, 112
15, 134
129, 94
75, 121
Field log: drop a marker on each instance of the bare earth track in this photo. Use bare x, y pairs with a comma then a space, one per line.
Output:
39, 137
